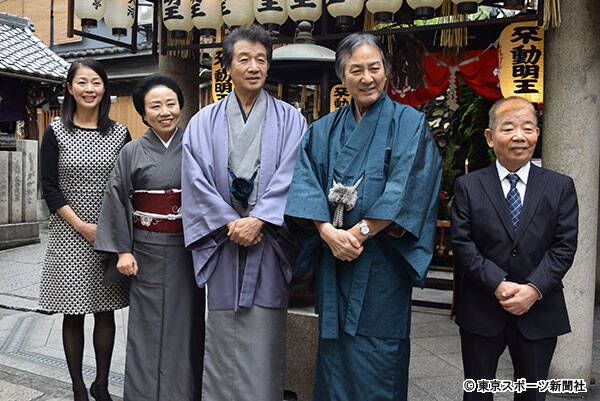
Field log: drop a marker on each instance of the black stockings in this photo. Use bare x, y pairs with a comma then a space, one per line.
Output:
73, 344
104, 339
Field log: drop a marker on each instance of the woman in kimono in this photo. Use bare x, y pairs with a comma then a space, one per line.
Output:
77, 155
365, 186
141, 223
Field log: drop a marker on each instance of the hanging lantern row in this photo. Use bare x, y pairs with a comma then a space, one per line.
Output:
118, 14
181, 16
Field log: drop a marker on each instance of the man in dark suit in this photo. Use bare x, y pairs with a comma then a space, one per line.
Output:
514, 235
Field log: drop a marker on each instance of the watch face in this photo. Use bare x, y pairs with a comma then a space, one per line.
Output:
364, 230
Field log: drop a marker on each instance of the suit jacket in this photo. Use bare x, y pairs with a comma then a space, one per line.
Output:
486, 250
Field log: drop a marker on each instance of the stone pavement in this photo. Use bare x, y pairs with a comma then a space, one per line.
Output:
32, 365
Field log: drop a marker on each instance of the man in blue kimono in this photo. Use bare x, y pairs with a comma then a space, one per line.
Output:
367, 178
237, 164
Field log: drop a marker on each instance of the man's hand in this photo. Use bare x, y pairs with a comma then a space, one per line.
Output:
522, 300
245, 231
127, 264
88, 231
343, 244
505, 290
355, 232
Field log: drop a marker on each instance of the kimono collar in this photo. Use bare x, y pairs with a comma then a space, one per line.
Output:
165, 143
356, 112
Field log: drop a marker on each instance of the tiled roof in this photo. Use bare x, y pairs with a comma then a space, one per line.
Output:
102, 51
23, 53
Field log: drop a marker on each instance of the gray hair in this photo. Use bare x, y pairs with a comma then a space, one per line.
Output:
496, 106
253, 34
349, 44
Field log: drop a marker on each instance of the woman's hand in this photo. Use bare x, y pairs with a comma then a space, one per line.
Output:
88, 231
127, 264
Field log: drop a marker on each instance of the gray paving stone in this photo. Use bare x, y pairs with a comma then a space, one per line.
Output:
439, 345
10, 268
427, 315
31, 291
20, 281
417, 350
417, 393
15, 392
441, 388
434, 329
31, 254
431, 366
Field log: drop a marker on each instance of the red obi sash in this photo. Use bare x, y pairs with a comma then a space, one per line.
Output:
158, 210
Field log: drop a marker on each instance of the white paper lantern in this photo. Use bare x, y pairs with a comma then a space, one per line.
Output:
424, 9
305, 10
177, 17
119, 16
344, 11
90, 12
237, 12
271, 14
206, 16
467, 6
384, 10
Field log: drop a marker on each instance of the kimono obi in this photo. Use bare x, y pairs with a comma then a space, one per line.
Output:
158, 210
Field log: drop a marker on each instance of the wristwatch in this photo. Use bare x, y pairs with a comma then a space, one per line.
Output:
364, 229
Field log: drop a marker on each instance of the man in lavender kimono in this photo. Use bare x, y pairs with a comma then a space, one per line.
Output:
238, 161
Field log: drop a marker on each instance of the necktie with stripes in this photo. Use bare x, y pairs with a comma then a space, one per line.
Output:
514, 201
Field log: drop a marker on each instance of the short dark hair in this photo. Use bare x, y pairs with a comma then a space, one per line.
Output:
494, 110
69, 105
252, 33
347, 46
151, 81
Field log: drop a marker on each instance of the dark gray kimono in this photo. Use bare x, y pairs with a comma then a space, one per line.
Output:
165, 336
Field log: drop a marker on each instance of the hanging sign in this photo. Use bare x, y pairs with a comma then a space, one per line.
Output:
221, 81
521, 58
339, 97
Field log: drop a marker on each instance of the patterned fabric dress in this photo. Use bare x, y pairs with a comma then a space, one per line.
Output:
72, 273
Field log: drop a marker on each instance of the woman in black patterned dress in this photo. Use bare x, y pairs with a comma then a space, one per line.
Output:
77, 155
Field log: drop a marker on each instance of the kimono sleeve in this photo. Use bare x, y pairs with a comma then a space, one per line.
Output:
115, 224
410, 199
413, 180
202, 205
114, 233
306, 198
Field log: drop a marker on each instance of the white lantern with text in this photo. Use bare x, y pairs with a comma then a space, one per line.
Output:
206, 16
119, 15
467, 6
177, 17
90, 12
384, 10
237, 13
271, 14
344, 11
304, 10
424, 9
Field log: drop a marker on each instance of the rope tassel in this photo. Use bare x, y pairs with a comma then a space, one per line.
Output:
344, 197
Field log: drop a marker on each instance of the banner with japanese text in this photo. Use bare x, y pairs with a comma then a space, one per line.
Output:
521, 59
338, 97
221, 81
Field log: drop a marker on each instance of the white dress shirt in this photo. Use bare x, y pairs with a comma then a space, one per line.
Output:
523, 174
